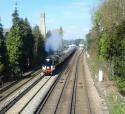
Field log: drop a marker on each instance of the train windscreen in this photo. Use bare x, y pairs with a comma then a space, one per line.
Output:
48, 63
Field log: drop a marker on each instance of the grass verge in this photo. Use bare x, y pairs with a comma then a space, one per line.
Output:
115, 104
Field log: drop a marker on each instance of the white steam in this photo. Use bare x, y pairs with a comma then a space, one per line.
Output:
54, 43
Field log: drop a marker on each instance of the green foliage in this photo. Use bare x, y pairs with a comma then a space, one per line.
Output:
116, 105
28, 44
108, 36
97, 18
103, 46
121, 84
14, 45
3, 53
112, 48
1, 68
16, 18
14, 49
20, 43
89, 40
39, 52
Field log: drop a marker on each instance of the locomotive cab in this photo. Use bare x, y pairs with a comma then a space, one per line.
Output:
48, 67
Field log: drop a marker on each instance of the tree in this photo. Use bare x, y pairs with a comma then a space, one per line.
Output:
39, 52
107, 34
20, 43
14, 45
14, 48
28, 44
16, 19
48, 34
2, 52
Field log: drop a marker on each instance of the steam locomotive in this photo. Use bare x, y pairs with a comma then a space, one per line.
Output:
54, 60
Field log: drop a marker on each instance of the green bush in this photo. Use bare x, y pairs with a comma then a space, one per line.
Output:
120, 82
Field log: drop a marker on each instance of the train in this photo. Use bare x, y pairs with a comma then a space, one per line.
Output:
51, 62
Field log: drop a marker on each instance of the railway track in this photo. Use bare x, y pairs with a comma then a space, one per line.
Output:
34, 107
5, 92
65, 93
22, 100
19, 106
70, 95
50, 104
14, 96
80, 98
29, 103
16, 86
64, 105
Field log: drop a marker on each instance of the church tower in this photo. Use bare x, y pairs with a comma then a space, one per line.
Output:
42, 25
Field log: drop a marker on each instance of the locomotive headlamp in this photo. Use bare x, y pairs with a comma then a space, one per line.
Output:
47, 60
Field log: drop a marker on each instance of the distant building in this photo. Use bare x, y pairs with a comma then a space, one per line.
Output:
72, 45
42, 25
81, 45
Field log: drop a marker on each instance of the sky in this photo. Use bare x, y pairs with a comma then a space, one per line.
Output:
74, 16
